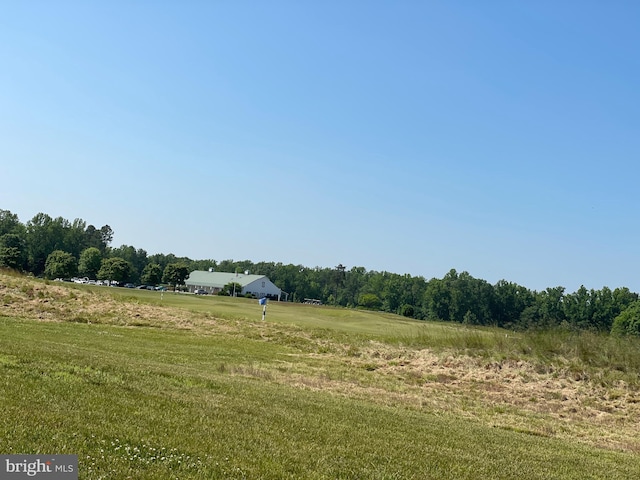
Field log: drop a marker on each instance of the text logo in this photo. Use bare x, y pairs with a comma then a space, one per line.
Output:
46, 467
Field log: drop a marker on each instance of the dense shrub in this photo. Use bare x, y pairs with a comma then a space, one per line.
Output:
370, 301
628, 322
407, 310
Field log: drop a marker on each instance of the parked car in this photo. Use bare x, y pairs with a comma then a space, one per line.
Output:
200, 291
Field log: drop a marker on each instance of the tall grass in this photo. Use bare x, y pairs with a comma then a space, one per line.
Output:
609, 358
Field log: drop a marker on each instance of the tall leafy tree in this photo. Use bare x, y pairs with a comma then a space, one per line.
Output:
74, 236
354, 281
339, 277
92, 238
40, 242
136, 257
370, 301
45, 235
175, 274
459, 298
151, 274
90, 262
194, 264
99, 239
116, 269
9, 223
623, 298
437, 298
628, 322
282, 275
162, 259
510, 300
232, 289
392, 292
551, 306
227, 266
13, 252
106, 235
60, 264
578, 308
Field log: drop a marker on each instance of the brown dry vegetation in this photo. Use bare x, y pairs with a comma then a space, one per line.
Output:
521, 395
51, 302
514, 395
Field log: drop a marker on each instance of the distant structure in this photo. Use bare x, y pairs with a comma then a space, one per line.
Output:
312, 301
212, 282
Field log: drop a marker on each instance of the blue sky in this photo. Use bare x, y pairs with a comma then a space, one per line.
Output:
496, 137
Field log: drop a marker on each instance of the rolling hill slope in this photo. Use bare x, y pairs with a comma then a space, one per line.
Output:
147, 385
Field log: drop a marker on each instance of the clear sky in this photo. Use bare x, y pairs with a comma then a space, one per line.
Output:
497, 137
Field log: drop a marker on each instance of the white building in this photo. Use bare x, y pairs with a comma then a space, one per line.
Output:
213, 282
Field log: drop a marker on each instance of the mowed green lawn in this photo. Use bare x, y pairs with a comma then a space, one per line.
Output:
336, 319
219, 402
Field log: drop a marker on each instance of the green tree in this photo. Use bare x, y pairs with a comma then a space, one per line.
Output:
9, 223
151, 274
106, 235
339, 278
604, 309
628, 322
202, 265
136, 257
458, 294
115, 269
370, 301
282, 275
175, 274
99, 239
470, 318
393, 292
549, 306
354, 281
13, 251
437, 298
60, 264
227, 266
73, 236
232, 289
578, 308
510, 300
162, 259
44, 234
40, 241
309, 284
90, 262
407, 310
623, 298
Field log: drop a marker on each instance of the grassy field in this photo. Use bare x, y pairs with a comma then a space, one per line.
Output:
143, 385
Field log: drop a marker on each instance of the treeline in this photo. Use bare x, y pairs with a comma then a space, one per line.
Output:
457, 297
55, 247
59, 248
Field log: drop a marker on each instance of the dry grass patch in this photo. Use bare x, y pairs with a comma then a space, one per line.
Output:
510, 394
48, 301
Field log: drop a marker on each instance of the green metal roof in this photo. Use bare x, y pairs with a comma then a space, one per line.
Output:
220, 279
